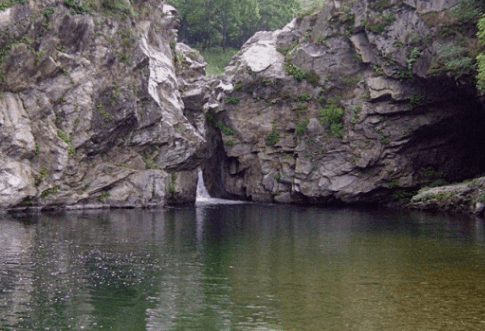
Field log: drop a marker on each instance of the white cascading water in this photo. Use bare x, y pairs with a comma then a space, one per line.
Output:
203, 197
202, 194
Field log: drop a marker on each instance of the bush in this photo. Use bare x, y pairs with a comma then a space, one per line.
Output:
232, 99
332, 117
453, 59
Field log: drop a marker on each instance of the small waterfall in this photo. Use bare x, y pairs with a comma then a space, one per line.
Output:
203, 197
202, 194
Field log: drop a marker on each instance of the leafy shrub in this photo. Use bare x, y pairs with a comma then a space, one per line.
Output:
332, 117
74, 7
64, 136
232, 99
9, 3
453, 58
224, 129
413, 55
272, 139
304, 97
294, 71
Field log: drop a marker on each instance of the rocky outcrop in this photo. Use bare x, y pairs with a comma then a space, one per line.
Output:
90, 109
359, 102
467, 197
355, 103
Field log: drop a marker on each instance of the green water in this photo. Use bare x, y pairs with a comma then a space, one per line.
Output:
242, 267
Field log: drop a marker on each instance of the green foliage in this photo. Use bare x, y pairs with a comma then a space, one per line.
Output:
4, 4
41, 176
75, 7
312, 77
115, 93
232, 99
454, 59
8, 45
229, 23
48, 12
413, 55
107, 116
301, 126
287, 49
64, 136
332, 117
301, 74
480, 76
224, 129
217, 59
304, 97
467, 11
310, 7
294, 70
49, 191
229, 143
272, 139
103, 196
481, 73
171, 184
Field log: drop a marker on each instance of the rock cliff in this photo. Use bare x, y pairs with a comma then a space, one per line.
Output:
90, 109
360, 102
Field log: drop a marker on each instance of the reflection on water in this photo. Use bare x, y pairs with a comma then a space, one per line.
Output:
242, 267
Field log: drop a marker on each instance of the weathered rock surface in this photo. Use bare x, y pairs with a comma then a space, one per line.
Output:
350, 104
90, 109
467, 197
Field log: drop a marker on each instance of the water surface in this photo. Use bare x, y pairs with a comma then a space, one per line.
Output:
242, 267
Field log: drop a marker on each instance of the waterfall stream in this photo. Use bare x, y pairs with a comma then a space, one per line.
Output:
203, 197
202, 194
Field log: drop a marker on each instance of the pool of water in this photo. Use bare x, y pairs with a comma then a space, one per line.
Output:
242, 267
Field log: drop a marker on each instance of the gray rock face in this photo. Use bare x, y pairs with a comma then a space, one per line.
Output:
349, 104
90, 110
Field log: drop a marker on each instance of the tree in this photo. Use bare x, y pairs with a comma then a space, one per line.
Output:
207, 23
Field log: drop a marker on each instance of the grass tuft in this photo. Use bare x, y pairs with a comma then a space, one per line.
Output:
217, 59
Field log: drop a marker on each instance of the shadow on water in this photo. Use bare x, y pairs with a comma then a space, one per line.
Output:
241, 267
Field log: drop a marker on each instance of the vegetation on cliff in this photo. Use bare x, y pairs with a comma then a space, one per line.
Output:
229, 23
